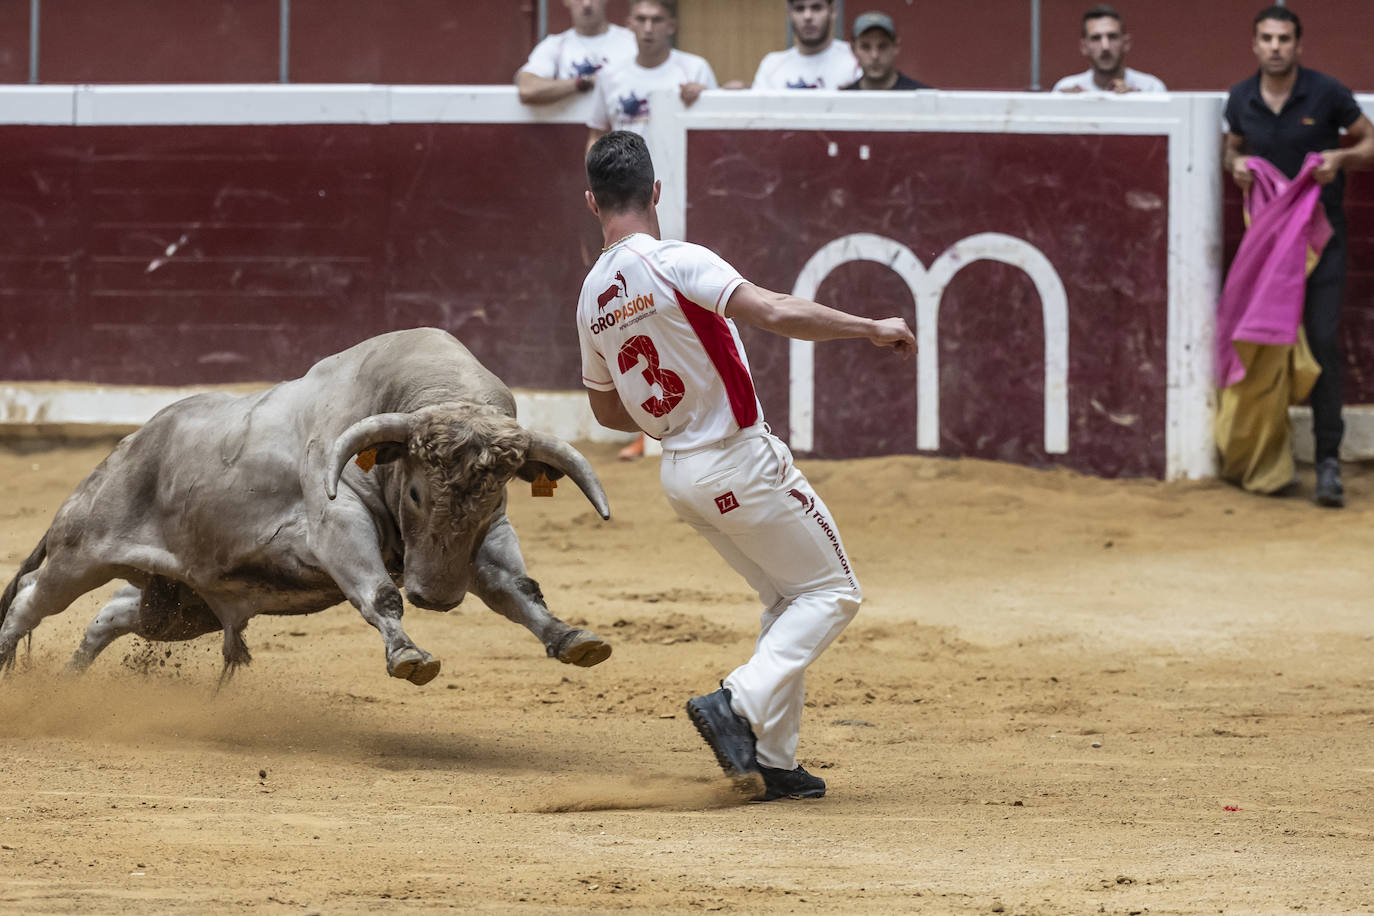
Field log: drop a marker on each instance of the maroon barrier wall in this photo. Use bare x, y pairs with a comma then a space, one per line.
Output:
928, 191
174, 255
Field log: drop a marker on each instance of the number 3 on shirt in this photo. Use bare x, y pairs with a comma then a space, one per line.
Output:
669, 382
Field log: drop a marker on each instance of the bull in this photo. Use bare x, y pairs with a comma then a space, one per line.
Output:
223, 507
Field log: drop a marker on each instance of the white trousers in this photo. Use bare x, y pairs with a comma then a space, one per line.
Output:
746, 497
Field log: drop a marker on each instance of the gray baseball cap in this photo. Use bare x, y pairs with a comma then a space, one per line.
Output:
875, 21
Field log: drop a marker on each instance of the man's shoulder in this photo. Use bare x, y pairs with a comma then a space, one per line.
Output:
906, 82
686, 58
839, 48
1321, 82
778, 58
1144, 82
1074, 81
1246, 87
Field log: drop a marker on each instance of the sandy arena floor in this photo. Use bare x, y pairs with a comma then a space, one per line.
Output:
1063, 695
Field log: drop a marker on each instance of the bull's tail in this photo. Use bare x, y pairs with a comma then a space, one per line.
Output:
33, 562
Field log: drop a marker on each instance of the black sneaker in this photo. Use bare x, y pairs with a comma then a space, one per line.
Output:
730, 736
790, 784
1329, 490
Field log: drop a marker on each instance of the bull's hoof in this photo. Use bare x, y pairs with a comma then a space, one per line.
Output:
414, 665
582, 648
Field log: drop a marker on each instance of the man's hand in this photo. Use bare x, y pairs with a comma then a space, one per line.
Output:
690, 92
585, 82
1119, 86
1330, 167
1241, 175
894, 333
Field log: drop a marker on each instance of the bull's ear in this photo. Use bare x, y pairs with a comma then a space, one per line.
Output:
388, 452
530, 471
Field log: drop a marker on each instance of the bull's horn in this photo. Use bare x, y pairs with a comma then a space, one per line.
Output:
561, 456
367, 432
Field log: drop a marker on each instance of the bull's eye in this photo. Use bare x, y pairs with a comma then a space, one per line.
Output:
415, 496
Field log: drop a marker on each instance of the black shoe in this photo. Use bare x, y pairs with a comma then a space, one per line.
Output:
790, 784
730, 736
1329, 489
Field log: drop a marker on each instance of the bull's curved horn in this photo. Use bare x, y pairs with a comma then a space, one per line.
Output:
561, 456
367, 432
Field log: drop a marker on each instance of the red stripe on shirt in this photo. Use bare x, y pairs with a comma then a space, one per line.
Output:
719, 344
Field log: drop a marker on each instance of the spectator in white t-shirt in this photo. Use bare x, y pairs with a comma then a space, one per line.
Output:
1104, 43
816, 60
622, 92
568, 62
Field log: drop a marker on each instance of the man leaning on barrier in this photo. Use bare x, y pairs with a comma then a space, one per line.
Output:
816, 60
1104, 43
567, 63
876, 47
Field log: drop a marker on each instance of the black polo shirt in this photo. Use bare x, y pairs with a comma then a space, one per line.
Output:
1309, 122
903, 82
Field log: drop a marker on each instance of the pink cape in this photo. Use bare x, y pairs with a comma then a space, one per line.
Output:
1262, 299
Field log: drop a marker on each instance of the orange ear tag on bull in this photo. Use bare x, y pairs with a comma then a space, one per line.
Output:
542, 486
366, 459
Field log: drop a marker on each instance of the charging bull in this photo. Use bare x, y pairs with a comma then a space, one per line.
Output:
222, 507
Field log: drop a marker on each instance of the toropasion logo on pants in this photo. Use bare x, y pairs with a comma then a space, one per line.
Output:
809, 509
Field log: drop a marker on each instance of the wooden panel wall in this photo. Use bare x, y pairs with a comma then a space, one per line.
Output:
732, 34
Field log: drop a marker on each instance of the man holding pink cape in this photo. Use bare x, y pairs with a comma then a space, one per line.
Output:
1281, 114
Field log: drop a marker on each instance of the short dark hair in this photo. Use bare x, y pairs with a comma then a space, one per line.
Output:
1282, 14
620, 172
669, 6
1102, 11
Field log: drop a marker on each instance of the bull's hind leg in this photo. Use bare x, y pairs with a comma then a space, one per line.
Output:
235, 653
115, 619
46, 591
499, 579
164, 610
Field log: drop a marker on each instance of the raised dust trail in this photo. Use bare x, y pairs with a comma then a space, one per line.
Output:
665, 792
126, 708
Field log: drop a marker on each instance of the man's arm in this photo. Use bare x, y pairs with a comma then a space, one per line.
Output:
541, 90
610, 411
1358, 156
1233, 161
803, 319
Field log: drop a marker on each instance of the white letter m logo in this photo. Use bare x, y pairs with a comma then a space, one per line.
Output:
927, 287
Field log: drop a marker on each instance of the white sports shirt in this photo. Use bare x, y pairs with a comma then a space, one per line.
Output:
791, 69
571, 54
622, 90
651, 325
1135, 80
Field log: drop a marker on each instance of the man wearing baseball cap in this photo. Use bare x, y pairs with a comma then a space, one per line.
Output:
876, 46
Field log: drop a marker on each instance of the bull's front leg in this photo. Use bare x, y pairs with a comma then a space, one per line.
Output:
347, 549
499, 579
